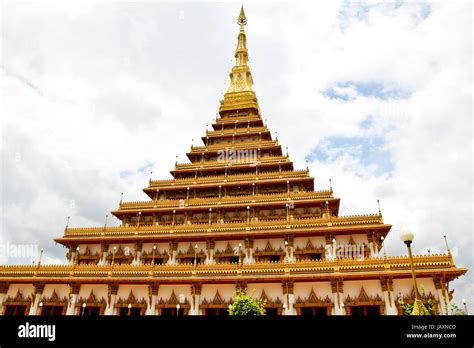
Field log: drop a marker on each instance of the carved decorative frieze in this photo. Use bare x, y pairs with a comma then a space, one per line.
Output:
364, 300
92, 301
180, 303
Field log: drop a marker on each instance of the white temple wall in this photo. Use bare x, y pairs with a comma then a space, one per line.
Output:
321, 289
61, 289
405, 286
25, 289
139, 291
358, 238
160, 247
165, 291
222, 244
275, 242
371, 287
302, 241
273, 290
100, 291
184, 246
92, 247
226, 291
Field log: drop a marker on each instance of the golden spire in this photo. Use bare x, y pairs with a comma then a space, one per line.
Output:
242, 20
240, 96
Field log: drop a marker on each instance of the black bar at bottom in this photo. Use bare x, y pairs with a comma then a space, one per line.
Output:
239, 331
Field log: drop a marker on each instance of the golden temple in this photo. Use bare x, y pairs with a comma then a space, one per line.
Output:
238, 215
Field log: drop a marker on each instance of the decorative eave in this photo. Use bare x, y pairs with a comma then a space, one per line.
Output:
215, 180
219, 164
254, 120
263, 164
395, 267
245, 145
226, 133
311, 197
230, 230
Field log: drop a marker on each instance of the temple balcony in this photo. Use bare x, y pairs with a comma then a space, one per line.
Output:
237, 131
236, 145
227, 200
267, 227
216, 179
239, 121
314, 270
243, 162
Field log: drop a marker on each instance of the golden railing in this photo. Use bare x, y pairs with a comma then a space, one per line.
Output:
228, 227
237, 131
240, 119
230, 177
276, 159
241, 199
394, 264
235, 145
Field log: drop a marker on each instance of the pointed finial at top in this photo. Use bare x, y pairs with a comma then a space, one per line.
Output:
242, 20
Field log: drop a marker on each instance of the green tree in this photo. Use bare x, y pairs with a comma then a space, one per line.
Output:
245, 305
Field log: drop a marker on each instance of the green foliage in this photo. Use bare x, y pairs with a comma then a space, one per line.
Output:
245, 305
426, 307
455, 310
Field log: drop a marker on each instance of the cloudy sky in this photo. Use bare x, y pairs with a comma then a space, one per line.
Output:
377, 96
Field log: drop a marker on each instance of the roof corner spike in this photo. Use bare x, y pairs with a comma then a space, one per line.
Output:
242, 20
67, 223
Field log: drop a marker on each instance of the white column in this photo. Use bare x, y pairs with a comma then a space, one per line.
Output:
137, 260
39, 287
152, 294
112, 293
72, 258
448, 302
138, 253
443, 301
3, 293
196, 295
173, 252
390, 308
370, 239
249, 251
71, 304
151, 310
73, 294
210, 244
389, 300
288, 298
2, 298
337, 296
337, 309
104, 247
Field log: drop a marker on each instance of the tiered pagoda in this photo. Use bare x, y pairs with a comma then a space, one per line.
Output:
237, 215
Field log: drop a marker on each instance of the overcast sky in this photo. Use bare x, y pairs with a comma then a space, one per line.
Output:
377, 96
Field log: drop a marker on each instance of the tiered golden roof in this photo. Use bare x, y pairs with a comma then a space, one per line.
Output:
214, 197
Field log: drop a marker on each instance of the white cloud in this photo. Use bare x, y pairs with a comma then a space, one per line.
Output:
93, 91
